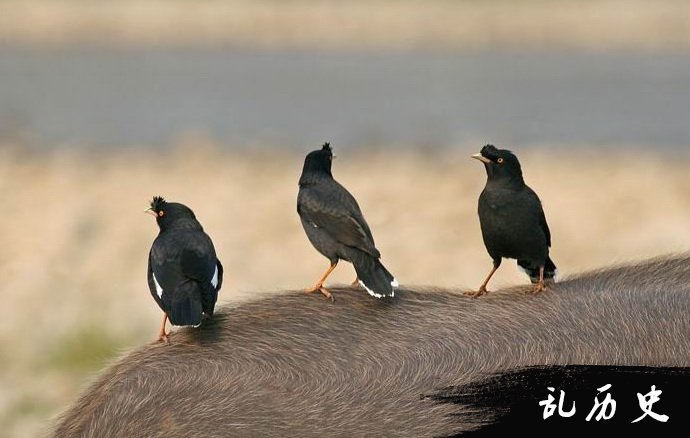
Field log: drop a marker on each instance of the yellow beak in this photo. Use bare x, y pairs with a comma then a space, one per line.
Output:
151, 212
481, 158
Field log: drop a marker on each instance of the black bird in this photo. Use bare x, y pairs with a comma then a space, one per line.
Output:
184, 274
336, 227
512, 219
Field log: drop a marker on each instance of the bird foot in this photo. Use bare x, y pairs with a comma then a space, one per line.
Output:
538, 288
321, 289
163, 338
482, 291
355, 283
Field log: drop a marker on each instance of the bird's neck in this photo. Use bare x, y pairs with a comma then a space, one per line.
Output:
314, 177
514, 182
183, 224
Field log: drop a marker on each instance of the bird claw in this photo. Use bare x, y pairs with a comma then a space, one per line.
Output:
540, 287
328, 295
323, 291
474, 294
163, 338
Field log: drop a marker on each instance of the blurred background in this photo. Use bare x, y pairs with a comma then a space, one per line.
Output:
104, 104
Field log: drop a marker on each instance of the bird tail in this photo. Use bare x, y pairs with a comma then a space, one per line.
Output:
549, 271
373, 276
185, 308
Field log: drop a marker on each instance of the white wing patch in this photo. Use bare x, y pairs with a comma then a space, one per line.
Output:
214, 280
159, 289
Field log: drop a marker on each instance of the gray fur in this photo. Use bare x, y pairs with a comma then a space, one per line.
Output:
296, 365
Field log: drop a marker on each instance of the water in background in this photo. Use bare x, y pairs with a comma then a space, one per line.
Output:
118, 97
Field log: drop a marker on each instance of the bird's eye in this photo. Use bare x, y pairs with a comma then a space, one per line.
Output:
161, 213
499, 161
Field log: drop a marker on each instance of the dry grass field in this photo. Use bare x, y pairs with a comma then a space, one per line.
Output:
75, 240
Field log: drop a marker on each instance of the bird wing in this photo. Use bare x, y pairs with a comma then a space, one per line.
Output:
155, 287
541, 217
544, 225
200, 264
217, 280
197, 265
176, 260
164, 274
332, 208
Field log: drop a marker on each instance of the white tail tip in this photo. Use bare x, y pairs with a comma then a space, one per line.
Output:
374, 294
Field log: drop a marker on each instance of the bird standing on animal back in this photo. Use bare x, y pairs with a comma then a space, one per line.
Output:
336, 227
512, 219
184, 274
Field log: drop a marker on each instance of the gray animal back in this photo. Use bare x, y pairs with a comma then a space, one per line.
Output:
293, 365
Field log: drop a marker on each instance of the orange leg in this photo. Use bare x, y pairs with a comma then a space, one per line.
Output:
482, 289
319, 284
540, 285
355, 283
162, 335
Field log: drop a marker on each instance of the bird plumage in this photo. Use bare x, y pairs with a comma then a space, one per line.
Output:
511, 216
184, 274
335, 225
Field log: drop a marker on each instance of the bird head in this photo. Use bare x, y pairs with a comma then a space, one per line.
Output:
499, 163
319, 160
167, 213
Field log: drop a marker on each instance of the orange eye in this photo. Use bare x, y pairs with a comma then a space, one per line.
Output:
499, 161
161, 213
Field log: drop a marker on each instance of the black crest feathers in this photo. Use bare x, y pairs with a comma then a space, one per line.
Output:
157, 203
490, 151
326, 147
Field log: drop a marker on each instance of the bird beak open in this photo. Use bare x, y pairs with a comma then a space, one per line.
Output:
481, 158
151, 212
